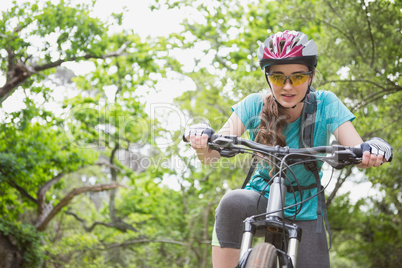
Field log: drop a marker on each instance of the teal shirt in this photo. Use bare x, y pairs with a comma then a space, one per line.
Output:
331, 113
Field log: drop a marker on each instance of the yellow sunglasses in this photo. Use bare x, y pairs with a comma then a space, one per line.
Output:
295, 79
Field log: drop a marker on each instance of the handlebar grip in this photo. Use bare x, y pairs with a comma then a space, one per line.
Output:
200, 131
357, 151
210, 132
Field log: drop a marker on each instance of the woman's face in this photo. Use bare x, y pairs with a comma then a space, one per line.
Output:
289, 95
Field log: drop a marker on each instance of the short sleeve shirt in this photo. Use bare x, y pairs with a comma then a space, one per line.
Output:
331, 113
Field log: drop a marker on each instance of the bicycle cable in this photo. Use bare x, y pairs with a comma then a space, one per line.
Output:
298, 186
311, 197
269, 181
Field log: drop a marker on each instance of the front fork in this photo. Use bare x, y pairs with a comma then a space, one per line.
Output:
273, 223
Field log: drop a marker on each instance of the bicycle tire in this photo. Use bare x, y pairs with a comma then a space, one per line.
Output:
263, 256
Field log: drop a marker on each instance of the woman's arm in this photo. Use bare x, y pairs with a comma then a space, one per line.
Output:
347, 135
234, 126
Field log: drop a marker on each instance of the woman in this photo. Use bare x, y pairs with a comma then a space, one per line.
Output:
289, 60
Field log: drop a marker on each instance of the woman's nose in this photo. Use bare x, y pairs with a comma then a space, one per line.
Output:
288, 83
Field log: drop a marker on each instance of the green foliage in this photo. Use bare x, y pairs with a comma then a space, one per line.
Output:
72, 23
28, 241
31, 157
365, 229
56, 154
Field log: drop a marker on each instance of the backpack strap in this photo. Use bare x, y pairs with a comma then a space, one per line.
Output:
307, 124
307, 141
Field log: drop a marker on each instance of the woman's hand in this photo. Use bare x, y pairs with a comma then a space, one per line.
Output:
197, 136
371, 160
376, 151
199, 142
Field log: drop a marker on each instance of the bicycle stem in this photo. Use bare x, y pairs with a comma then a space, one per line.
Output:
276, 200
274, 223
276, 203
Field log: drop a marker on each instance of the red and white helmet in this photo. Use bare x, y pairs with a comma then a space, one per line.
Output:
289, 47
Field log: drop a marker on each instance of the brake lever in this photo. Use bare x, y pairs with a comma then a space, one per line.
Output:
230, 153
225, 145
340, 159
225, 141
221, 143
214, 147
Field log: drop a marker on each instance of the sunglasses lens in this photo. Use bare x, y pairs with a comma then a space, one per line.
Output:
298, 79
295, 79
277, 79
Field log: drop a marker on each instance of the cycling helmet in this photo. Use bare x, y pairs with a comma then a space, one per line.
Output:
288, 47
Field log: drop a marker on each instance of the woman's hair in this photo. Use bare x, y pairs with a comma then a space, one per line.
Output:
273, 120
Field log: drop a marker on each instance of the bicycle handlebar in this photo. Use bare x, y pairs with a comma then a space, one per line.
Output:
230, 145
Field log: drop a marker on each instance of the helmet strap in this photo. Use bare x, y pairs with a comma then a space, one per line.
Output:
308, 89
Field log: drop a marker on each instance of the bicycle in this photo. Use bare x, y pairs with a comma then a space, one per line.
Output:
273, 221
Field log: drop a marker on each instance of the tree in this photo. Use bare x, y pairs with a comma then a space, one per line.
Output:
61, 40
40, 151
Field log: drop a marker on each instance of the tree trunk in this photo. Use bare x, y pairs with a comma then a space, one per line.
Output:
10, 255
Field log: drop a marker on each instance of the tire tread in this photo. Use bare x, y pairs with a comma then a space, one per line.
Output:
262, 256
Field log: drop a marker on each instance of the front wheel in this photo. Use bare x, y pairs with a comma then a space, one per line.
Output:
263, 256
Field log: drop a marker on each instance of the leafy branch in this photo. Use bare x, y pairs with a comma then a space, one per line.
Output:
19, 72
42, 222
372, 97
93, 225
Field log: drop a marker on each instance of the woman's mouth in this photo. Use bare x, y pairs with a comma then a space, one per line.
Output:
288, 96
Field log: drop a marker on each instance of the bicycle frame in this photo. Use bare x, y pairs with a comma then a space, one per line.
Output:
273, 223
